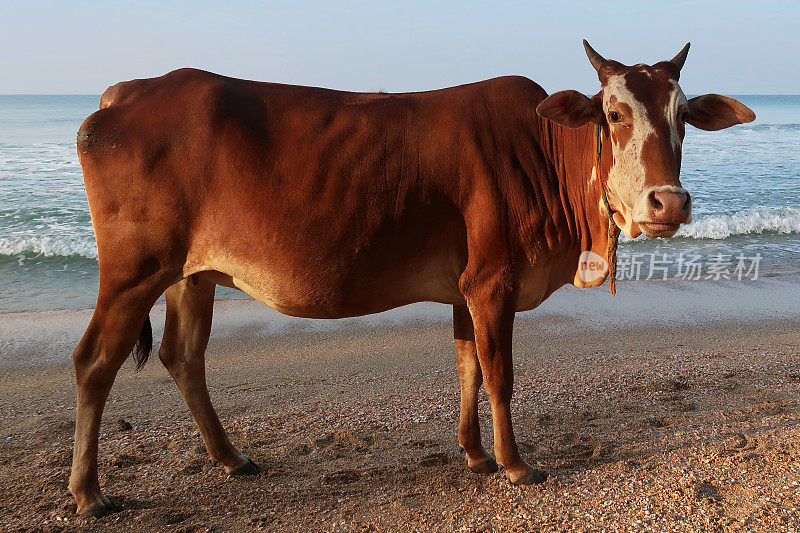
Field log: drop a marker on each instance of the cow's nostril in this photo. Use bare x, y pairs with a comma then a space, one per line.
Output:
687, 206
655, 203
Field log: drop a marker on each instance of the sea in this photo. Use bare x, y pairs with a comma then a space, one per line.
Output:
745, 184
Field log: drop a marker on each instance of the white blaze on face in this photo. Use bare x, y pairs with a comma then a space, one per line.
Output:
627, 174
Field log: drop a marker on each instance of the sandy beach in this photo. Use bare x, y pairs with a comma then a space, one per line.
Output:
674, 406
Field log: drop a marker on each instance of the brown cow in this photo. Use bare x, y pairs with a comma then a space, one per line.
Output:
328, 204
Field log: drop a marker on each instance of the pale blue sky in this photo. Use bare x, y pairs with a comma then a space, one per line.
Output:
82, 46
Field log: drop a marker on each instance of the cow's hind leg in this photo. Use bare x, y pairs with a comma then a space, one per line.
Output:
190, 304
120, 317
470, 378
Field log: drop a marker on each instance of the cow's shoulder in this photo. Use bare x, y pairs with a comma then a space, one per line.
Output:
513, 82
507, 89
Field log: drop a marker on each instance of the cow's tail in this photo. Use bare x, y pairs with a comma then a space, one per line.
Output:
144, 345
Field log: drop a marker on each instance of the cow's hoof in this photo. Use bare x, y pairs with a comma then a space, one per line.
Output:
526, 476
248, 468
96, 507
488, 466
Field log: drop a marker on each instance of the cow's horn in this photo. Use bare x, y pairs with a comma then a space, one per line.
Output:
594, 58
680, 58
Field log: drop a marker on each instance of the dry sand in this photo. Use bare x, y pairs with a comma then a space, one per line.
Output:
672, 407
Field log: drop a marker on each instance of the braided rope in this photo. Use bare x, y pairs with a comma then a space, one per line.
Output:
613, 229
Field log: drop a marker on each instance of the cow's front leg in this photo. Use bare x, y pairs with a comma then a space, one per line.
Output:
470, 378
492, 310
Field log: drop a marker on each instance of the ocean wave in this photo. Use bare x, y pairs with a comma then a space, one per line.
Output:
784, 220
48, 246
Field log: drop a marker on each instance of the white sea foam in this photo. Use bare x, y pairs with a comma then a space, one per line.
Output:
784, 220
49, 246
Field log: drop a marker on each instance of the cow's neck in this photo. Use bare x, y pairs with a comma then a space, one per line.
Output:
572, 157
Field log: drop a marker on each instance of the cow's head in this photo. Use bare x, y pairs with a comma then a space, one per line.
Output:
643, 112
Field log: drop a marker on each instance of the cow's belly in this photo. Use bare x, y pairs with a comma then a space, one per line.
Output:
327, 294
333, 297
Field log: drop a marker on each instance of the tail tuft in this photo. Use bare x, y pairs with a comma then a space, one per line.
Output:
144, 345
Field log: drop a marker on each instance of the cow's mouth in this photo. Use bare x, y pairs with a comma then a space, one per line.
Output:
650, 228
659, 229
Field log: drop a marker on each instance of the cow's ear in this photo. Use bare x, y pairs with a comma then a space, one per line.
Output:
715, 112
570, 108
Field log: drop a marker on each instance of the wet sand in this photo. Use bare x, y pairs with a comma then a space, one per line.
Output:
674, 406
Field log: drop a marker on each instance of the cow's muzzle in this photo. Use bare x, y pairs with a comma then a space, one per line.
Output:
661, 210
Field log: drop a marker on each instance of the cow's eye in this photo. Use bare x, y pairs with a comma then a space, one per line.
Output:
685, 116
614, 116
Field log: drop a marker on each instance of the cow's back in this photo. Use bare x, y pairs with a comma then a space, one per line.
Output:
318, 202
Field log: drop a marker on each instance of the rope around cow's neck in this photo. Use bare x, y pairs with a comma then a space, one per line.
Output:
613, 229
